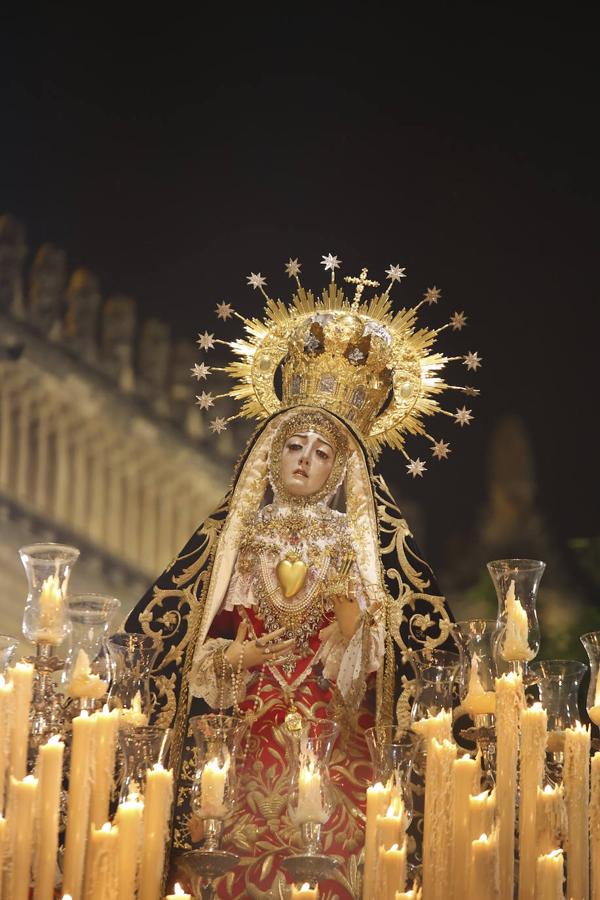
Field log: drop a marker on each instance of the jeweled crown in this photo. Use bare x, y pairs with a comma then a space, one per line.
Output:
362, 360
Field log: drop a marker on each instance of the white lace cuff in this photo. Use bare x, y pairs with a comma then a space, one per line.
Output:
205, 683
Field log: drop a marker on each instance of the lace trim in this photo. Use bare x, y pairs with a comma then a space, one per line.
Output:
204, 682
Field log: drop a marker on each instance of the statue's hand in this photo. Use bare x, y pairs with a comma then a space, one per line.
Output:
256, 653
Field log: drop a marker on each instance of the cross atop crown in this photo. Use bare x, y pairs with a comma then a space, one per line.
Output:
361, 281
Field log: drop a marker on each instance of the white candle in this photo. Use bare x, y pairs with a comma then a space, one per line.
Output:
83, 682
516, 636
391, 869
22, 815
391, 826
107, 726
484, 881
595, 826
310, 805
157, 809
550, 877
509, 702
413, 894
101, 863
378, 798
464, 781
78, 802
576, 781
3, 847
212, 788
478, 701
6, 704
594, 711
179, 894
305, 892
133, 715
439, 727
21, 676
482, 814
551, 819
437, 836
52, 616
50, 761
534, 722
129, 819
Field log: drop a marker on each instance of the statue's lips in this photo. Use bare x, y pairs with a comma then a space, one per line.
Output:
300, 472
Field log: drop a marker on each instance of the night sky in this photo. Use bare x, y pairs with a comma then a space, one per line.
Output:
174, 155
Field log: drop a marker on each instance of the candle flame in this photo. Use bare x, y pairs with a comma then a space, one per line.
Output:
549, 789
30, 779
84, 714
179, 890
2, 682
394, 847
67, 897
537, 706
554, 854
55, 739
305, 886
158, 767
106, 827
105, 709
483, 837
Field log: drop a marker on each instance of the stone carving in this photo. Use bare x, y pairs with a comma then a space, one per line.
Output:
47, 281
154, 360
118, 334
81, 323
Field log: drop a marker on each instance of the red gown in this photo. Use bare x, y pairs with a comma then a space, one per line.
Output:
261, 831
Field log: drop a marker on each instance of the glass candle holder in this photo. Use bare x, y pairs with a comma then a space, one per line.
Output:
87, 671
142, 748
48, 568
393, 752
435, 690
132, 657
218, 740
591, 642
477, 684
558, 682
310, 799
517, 634
8, 645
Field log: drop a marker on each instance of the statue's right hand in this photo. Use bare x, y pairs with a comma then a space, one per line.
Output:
265, 649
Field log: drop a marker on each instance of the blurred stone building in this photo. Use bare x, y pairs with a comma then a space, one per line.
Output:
101, 443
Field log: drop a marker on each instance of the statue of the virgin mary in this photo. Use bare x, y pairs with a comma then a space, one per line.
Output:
300, 597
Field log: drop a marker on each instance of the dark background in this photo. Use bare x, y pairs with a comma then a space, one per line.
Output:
174, 154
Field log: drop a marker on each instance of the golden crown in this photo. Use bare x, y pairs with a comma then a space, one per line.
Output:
362, 360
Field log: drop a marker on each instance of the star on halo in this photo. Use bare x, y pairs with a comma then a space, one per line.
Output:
441, 449
293, 268
463, 416
256, 280
471, 391
395, 273
432, 295
416, 467
224, 311
218, 425
472, 361
206, 341
200, 370
331, 262
458, 321
204, 400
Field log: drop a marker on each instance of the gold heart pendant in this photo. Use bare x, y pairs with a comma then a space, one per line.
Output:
291, 575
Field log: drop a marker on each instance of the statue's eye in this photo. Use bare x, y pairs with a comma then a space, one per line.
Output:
323, 454
294, 446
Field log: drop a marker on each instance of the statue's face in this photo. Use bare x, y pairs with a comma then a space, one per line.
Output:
306, 463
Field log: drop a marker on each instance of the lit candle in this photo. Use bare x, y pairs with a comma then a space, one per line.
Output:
157, 810
78, 802
129, 819
484, 881
133, 715
101, 863
551, 819
107, 726
6, 703
478, 701
550, 876
310, 805
594, 711
437, 836
509, 702
576, 782
465, 776
430, 727
413, 894
180, 894
516, 638
378, 798
482, 813
22, 814
305, 892
21, 676
83, 682
212, 788
391, 871
534, 722
50, 760
595, 826
391, 827
52, 616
